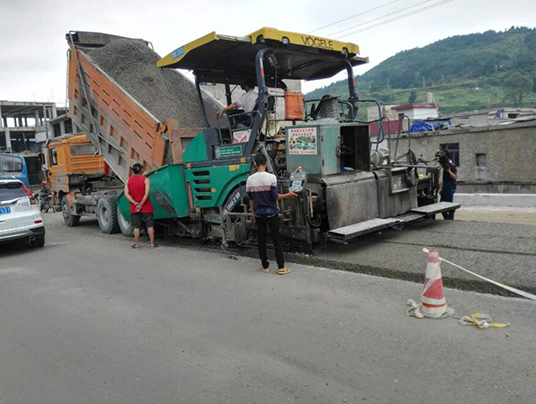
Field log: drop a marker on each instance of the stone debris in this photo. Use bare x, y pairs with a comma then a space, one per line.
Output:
166, 93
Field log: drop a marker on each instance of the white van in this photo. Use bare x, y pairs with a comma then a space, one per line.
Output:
20, 217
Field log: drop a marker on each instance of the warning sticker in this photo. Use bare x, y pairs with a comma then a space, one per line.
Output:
302, 141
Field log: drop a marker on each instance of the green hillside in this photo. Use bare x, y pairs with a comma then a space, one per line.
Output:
465, 73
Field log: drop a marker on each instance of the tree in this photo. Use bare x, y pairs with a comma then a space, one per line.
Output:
530, 41
534, 85
412, 97
516, 86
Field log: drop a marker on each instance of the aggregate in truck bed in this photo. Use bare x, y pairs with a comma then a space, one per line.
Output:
166, 93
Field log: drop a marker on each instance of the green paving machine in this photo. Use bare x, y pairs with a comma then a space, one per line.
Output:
347, 184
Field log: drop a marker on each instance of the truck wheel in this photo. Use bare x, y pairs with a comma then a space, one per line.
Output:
69, 219
107, 214
125, 225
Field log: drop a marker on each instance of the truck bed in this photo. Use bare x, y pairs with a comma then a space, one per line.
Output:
127, 106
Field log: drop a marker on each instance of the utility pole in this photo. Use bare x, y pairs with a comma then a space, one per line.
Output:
388, 86
423, 81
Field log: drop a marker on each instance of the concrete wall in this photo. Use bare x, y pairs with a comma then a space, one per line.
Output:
490, 117
415, 113
496, 200
420, 113
510, 156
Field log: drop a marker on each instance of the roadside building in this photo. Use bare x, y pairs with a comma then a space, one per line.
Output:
21, 121
493, 149
492, 117
490, 159
415, 111
24, 129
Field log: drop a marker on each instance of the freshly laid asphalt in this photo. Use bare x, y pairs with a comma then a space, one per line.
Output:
503, 252
87, 319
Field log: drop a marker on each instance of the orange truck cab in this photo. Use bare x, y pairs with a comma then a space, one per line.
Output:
73, 165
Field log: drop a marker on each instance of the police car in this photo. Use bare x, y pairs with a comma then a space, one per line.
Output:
20, 218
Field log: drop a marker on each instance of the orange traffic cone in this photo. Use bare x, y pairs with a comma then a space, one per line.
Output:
433, 303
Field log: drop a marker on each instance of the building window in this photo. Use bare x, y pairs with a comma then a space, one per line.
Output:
481, 160
454, 150
512, 116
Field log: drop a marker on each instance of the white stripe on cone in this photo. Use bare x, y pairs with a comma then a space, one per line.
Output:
435, 302
433, 274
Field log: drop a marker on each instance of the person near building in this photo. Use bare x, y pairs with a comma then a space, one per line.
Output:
137, 191
263, 196
449, 181
246, 102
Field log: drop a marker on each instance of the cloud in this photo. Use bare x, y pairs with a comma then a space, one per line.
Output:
32, 34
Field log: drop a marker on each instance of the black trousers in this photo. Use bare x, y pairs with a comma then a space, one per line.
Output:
447, 195
263, 222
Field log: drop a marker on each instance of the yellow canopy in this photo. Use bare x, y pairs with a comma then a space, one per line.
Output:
221, 58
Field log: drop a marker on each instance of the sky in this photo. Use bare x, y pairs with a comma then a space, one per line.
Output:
33, 47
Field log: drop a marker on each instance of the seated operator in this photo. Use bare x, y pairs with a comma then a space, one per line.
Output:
246, 101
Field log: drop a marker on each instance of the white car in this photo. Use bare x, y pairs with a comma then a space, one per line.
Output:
20, 217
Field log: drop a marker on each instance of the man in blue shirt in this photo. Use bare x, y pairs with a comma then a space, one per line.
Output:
449, 182
263, 196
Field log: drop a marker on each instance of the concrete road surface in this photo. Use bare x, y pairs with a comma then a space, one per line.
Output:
525, 216
87, 319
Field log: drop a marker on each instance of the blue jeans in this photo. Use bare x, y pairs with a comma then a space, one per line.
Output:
447, 195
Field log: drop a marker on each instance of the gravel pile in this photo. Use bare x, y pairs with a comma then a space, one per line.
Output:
166, 93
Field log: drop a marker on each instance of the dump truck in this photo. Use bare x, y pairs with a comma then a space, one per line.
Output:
347, 184
118, 104
79, 177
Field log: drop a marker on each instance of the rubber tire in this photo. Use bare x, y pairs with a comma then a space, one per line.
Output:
38, 242
124, 225
69, 219
107, 214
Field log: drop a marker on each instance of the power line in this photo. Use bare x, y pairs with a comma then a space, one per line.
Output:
381, 17
353, 16
396, 18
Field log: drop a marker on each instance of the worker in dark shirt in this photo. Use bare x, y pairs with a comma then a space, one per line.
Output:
263, 196
449, 181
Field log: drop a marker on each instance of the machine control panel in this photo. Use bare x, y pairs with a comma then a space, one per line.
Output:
298, 180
